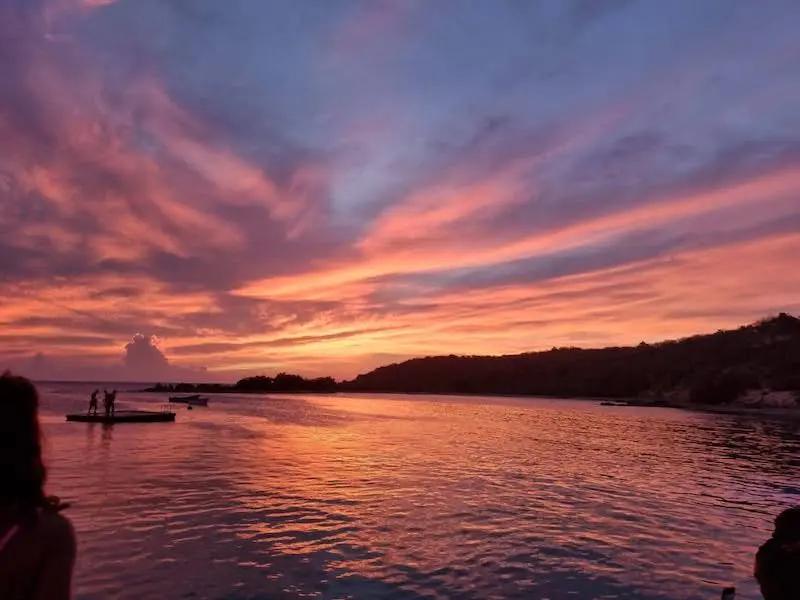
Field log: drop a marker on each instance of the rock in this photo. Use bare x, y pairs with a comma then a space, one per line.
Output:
762, 398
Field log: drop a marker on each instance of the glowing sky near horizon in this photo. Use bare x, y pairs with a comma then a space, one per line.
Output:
203, 189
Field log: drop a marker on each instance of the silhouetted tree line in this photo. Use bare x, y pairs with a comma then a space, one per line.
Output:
285, 382
282, 382
713, 368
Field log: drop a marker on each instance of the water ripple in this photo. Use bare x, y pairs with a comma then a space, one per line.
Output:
418, 497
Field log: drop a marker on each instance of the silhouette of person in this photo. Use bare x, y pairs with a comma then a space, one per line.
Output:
107, 402
778, 559
113, 402
93, 402
37, 543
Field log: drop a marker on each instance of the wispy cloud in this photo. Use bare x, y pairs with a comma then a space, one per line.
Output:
327, 188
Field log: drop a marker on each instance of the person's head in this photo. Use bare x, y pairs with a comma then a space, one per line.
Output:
778, 560
787, 525
22, 471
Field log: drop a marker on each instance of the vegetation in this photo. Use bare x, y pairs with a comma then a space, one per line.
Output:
713, 368
282, 382
707, 369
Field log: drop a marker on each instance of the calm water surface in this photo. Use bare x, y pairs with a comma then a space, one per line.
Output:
417, 497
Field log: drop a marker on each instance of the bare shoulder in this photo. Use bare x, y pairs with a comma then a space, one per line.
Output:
56, 530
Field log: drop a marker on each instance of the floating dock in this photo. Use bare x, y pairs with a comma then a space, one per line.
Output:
124, 416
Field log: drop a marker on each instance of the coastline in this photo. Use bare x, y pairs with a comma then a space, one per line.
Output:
790, 413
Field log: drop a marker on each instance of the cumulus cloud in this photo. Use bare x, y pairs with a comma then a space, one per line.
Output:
142, 354
144, 360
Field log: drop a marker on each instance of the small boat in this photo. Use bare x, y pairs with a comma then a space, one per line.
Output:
607, 403
194, 400
124, 416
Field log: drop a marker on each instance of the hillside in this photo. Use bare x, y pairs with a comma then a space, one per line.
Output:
715, 368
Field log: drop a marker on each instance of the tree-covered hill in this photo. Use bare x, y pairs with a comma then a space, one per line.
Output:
712, 368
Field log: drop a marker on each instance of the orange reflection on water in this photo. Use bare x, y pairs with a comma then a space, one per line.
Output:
370, 496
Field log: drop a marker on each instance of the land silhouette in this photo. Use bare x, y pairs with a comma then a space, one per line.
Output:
282, 382
755, 360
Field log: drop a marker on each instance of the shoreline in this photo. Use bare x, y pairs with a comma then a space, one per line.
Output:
615, 402
723, 409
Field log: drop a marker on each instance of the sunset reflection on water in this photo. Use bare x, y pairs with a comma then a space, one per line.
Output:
418, 497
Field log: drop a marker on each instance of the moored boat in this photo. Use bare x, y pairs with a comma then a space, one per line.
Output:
194, 400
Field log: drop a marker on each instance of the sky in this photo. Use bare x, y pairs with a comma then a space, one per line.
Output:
196, 189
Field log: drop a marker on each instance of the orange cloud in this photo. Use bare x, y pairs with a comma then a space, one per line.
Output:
649, 300
451, 250
138, 211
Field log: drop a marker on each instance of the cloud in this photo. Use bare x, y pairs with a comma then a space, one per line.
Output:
143, 355
98, 180
452, 249
97, 3
142, 360
317, 189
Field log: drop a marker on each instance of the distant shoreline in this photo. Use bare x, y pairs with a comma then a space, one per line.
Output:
749, 370
733, 410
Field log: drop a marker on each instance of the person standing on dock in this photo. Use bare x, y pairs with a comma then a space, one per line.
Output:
107, 402
113, 402
93, 402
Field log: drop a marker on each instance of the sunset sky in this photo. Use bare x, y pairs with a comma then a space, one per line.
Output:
206, 189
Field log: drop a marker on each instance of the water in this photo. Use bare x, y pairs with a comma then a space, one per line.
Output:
371, 496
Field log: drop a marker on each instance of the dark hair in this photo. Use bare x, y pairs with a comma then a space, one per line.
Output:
22, 472
787, 525
778, 559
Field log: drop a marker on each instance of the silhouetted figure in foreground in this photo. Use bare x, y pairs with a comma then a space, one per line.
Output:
93, 402
37, 544
778, 559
